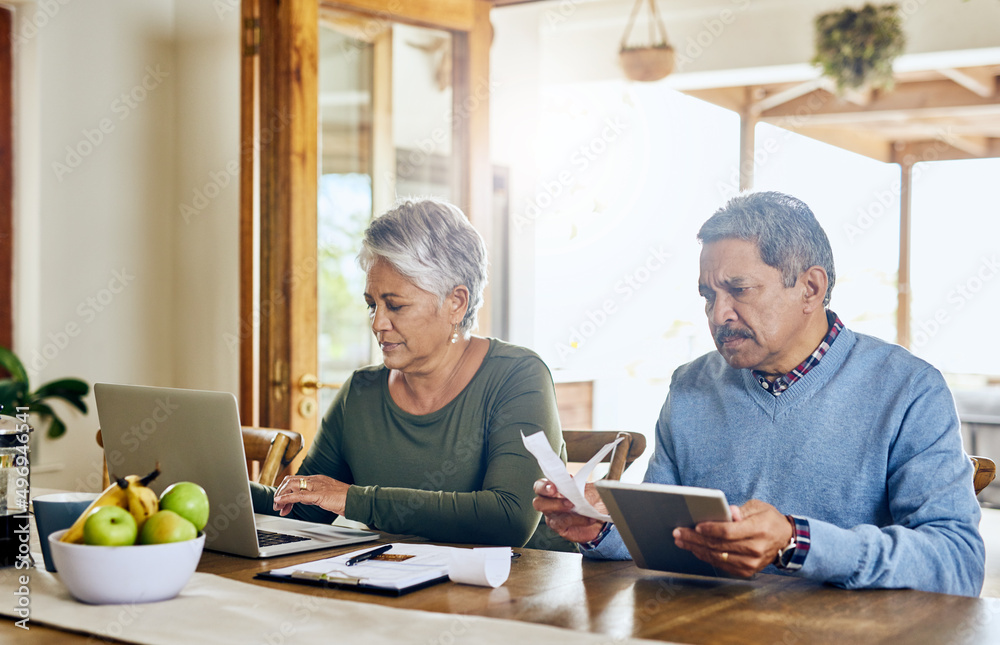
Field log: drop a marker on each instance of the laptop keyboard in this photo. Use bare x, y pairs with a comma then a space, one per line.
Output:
270, 538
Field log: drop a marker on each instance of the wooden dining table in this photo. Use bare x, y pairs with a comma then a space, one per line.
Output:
619, 600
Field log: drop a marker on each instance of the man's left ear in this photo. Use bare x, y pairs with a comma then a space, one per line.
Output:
814, 281
458, 301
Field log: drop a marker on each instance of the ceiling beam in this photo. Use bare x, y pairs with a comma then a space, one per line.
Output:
906, 99
784, 96
977, 147
977, 80
870, 116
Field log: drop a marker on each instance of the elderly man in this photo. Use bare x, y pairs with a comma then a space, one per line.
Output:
842, 450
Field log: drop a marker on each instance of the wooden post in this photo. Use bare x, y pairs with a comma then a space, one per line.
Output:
473, 172
903, 279
248, 330
748, 122
289, 141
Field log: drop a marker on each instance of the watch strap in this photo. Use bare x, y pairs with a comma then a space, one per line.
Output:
793, 556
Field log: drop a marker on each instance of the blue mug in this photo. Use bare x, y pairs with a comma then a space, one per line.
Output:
57, 511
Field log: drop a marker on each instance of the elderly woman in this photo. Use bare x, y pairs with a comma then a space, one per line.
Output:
429, 443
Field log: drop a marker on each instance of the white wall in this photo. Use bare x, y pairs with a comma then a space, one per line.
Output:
110, 283
205, 207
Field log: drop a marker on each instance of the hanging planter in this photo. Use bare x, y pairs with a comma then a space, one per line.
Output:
856, 47
647, 62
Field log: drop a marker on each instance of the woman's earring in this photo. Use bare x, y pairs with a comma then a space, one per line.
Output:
454, 334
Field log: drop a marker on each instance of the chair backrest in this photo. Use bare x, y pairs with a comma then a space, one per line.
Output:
271, 449
581, 445
984, 471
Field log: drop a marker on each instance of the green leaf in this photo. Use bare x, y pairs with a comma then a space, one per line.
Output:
10, 362
12, 394
56, 428
15, 392
70, 390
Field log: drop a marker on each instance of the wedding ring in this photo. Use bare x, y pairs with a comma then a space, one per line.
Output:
303, 484
725, 557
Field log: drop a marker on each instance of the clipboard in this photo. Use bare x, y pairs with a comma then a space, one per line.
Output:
407, 568
357, 584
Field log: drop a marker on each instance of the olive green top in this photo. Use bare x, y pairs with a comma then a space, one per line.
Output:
459, 474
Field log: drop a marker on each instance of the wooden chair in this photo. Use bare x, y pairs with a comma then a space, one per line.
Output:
984, 471
273, 450
581, 445
267, 449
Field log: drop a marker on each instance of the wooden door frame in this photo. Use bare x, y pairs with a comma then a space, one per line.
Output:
6, 178
279, 182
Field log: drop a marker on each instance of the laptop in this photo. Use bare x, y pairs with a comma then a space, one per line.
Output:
195, 436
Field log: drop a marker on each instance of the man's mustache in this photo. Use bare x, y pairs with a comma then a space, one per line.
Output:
722, 334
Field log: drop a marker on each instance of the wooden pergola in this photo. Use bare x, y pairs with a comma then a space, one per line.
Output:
930, 115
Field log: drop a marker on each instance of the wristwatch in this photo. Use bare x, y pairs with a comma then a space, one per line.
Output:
786, 553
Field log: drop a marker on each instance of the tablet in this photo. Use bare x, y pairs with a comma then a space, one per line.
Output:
647, 514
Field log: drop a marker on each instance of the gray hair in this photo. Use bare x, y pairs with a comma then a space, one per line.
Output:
433, 244
784, 228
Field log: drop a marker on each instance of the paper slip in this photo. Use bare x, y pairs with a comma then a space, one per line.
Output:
487, 567
555, 470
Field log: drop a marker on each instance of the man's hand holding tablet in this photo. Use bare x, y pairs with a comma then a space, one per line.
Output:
741, 547
737, 543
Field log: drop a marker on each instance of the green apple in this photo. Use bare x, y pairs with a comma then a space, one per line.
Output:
166, 526
189, 500
109, 526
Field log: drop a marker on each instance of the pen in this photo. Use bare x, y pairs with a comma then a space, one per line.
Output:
367, 555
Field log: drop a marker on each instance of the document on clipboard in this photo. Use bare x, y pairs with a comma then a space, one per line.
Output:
403, 568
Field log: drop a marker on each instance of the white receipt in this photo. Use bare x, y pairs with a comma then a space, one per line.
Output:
555, 470
487, 567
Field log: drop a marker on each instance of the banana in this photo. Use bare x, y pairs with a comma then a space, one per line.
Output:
113, 495
142, 500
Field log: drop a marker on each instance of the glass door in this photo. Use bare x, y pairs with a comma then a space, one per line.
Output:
344, 108
385, 132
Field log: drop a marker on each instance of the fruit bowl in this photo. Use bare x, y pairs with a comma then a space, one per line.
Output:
106, 575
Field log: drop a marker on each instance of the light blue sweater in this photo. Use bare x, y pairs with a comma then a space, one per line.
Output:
866, 446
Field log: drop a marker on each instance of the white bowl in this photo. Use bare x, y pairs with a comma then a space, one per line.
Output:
111, 575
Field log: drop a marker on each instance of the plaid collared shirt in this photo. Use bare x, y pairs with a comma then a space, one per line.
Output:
782, 383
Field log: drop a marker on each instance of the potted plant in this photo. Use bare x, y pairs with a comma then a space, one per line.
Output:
856, 47
15, 392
